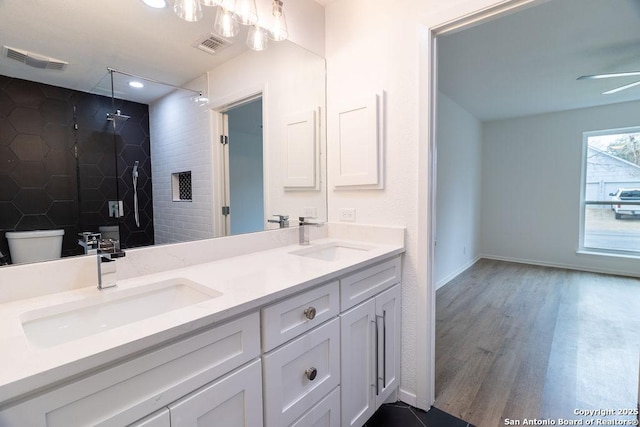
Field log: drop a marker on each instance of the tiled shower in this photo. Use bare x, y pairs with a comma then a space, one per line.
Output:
61, 163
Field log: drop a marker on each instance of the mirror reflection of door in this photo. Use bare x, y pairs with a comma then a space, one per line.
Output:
244, 168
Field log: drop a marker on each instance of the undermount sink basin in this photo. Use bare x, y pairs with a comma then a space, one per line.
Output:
62, 323
332, 251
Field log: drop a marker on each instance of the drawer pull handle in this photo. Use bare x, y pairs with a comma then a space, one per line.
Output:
310, 313
311, 373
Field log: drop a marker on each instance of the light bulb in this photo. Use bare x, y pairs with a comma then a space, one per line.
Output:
189, 10
257, 38
278, 30
225, 25
157, 4
246, 12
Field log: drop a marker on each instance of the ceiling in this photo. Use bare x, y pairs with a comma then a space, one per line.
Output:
123, 34
527, 62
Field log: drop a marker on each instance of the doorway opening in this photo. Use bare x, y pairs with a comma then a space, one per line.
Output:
243, 167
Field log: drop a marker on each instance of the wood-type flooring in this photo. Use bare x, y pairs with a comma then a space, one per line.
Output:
518, 343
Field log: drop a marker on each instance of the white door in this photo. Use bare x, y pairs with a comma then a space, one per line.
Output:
232, 401
388, 325
358, 330
160, 418
244, 166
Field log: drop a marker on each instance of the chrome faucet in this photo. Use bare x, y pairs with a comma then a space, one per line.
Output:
108, 251
283, 220
303, 232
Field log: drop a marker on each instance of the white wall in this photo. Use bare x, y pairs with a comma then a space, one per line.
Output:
459, 142
292, 81
180, 133
380, 45
531, 187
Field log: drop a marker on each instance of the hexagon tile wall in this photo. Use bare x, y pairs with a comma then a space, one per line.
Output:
54, 174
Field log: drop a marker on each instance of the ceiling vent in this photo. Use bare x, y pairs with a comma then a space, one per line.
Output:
34, 60
211, 43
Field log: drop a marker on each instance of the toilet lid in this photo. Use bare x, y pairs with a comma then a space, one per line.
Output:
32, 234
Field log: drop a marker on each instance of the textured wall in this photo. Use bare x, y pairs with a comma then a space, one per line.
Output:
459, 140
41, 184
533, 165
373, 46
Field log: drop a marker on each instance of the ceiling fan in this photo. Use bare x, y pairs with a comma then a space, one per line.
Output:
610, 75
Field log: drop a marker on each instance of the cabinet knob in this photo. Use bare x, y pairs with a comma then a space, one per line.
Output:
310, 313
311, 373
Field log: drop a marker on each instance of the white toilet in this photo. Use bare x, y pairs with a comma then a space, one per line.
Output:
33, 246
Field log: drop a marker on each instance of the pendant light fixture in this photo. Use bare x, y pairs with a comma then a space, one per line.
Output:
278, 30
189, 10
225, 24
230, 14
257, 38
246, 12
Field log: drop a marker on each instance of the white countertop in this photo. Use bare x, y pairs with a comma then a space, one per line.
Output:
246, 282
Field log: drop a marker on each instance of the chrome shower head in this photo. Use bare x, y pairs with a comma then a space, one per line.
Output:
117, 116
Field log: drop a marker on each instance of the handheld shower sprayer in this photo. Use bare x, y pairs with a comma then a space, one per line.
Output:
134, 175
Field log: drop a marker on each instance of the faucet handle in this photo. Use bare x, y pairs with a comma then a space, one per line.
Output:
110, 249
281, 217
303, 221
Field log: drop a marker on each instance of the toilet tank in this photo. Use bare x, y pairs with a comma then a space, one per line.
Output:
33, 246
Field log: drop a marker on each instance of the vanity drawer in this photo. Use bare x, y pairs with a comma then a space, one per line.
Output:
289, 318
299, 374
366, 283
125, 393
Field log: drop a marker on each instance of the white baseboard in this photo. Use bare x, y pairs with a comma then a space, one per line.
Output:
408, 398
557, 265
456, 273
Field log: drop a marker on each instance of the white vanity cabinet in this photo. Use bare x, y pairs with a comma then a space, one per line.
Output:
301, 364
160, 418
126, 392
327, 356
232, 401
353, 357
370, 341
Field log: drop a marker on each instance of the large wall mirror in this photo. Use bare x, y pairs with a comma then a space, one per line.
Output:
215, 142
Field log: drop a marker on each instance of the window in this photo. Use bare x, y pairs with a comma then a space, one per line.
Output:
611, 191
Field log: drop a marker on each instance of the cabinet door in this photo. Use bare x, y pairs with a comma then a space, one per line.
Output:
232, 401
358, 330
388, 325
142, 385
159, 418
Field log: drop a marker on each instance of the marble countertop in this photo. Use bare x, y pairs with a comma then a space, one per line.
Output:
246, 282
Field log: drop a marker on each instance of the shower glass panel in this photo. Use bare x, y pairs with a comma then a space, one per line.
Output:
116, 142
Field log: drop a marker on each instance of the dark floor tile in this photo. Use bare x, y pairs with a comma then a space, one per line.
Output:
437, 418
401, 414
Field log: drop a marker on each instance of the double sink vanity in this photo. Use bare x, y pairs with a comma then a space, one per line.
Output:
276, 335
